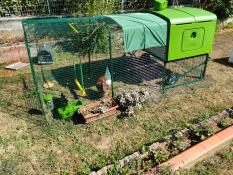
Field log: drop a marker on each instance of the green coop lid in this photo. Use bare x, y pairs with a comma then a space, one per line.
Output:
182, 15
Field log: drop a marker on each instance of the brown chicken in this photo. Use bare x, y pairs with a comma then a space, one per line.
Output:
102, 85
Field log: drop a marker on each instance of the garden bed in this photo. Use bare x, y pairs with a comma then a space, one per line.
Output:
172, 145
97, 110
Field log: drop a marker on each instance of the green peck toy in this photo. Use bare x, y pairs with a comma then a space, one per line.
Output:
160, 5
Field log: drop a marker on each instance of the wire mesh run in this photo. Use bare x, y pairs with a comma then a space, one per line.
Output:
185, 71
78, 61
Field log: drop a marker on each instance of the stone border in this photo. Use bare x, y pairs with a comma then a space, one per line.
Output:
198, 152
156, 145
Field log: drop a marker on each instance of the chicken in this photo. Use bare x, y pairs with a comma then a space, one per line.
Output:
102, 85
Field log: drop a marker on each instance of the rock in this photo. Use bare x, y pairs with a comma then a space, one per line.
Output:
154, 146
121, 163
125, 159
48, 85
103, 170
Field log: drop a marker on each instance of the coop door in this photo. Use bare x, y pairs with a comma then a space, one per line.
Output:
193, 39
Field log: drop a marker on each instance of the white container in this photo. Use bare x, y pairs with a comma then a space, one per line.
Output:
231, 58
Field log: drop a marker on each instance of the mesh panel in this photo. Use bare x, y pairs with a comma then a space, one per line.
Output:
185, 71
83, 59
69, 58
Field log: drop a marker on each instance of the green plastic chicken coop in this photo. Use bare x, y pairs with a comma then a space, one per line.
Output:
191, 32
92, 58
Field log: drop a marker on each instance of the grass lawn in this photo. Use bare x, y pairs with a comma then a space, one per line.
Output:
28, 145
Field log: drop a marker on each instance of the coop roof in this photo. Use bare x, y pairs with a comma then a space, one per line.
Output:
141, 30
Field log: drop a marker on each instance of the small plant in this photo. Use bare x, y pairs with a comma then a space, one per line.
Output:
177, 146
165, 171
227, 154
224, 124
117, 169
200, 132
48, 99
144, 149
1, 140
160, 156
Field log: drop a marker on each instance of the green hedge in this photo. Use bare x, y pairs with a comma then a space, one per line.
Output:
222, 8
57, 7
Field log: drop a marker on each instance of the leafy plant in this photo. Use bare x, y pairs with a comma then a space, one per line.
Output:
177, 146
48, 97
222, 8
117, 170
166, 171
144, 149
160, 155
68, 111
200, 132
224, 123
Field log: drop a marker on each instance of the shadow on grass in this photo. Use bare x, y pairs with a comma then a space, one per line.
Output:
223, 61
127, 70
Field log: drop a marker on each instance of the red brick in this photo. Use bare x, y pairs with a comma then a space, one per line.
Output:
231, 126
226, 134
175, 163
211, 143
194, 153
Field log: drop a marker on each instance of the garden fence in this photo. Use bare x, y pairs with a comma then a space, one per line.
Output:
77, 7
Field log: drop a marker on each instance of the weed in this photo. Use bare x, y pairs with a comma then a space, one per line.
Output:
20, 144
224, 123
204, 116
199, 132
160, 155
51, 160
64, 172
177, 146
5, 102
1, 140
118, 170
7, 166
227, 154
84, 169
165, 171
144, 149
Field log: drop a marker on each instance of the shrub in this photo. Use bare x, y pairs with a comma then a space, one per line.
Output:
222, 8
57, 7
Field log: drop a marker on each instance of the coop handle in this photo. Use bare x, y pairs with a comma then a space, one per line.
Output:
83, 92
73, 28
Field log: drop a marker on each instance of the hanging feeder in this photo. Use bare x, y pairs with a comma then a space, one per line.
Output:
45, 54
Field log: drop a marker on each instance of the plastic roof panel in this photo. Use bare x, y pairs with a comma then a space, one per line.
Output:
176, 16
200, 15
183, 15
141, 30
